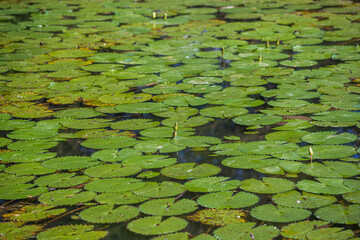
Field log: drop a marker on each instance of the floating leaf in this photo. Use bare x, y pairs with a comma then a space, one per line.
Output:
173, 236
329, 138
9, 179
108, 214
158, 190
211, 184
168, 207
114, 155
149, 161
324, 186
226, 200
337, 116
21, 191
134, 124
257, 119
340, 214
32, 133
334, 233
195, 141
66, 197
190, 171
249, 161
76, 113
85, 123
166, 132
292, 136
267, 185
223, 111
271, 213
70, 162
29, 169
155, 225
61, 180
216, 217
246, 230
32, 145
71, 231
117, 185
119, 198
302, 200
11, 230
319, 170
299, 230
267, 147
32, 213
353, 197
109, 142
327, 151
161, 145
148, 107
112, 170
25, 156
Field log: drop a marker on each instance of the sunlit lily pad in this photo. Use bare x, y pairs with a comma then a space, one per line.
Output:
147, 107
271, 213
148, 162
299, 230
331, 233
257, 119
115, 185
327, 151
331, 137
134, 124
85, 123
324, 186
267, 185
158, 190
249, 161
61, 180
337, 116
29, 169
302, 200
217, 217
211, 184
190, 170
195, 141
109, 142
108, 214
167, 132
298, 63
245, 230
11, 230
71, 231
155, 225
340, 214
32, 145
70, 162
77, 113
112, 170
32, 133
161, 145
168, 207
292, 136
115, 155
119, 198
66, 197
228, 200
223, 111
21, 191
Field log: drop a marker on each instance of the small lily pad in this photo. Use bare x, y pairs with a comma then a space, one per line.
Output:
257, 119
271, 213
249, 161
228, 200
149, 161
109, 214
155, 225
168, 207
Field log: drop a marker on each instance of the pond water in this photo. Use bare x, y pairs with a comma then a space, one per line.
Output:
180, 119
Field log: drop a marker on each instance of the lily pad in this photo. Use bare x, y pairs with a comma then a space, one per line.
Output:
327, 151
119, 198
21, 191
116, 185
61, 180
109, 142
190, 170
246, 230
299, 230
147, 107
71, 231
168, 207
31, 213
134, 124
155, 225
70, 162
217, 217
228, 200
257, 119
340, 214
76, 113
306, 200
267, 185
66, 197
271, 213
211, 184
324, 186
11, 230
249, 161
109, 214
331, 137
112, 170
148, 161
159, 190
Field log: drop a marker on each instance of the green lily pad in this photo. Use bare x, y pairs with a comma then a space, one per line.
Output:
257, 119
324, 186
71, 231
333, 233
29, 169
31, 213
267, 147
211, 184
70, 162
134, 124
115, 185
155, 225
298, 63
109, 214
120, 198
249, 161
319, 170
147, 107
331, 137
327, 151
353, 197
167, 132
149, 161
114, 155
228, 200
340, 214
161, 145
337, 116
32, 133
305, 200
223, 112
66, 197
11, 230
217, 217
195, 141
159, 190
125, 98
109, 142
85, 123
292, 136
9, 179
246, 230
61, 180
112, 170
271, 213
32, 145
76, 113
190, 170
267, 185
177, 112
299, 230
4, 141
21, 191
168, 207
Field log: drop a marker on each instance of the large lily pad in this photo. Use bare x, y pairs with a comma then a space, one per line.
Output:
168, 207
271, 213
340, 214
71, 231
112, 170
109, 214
211, 184
117, 185
158, 190
67, 197
228, 200
190, 171
267, 185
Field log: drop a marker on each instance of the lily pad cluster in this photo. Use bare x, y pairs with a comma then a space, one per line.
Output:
151, 116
